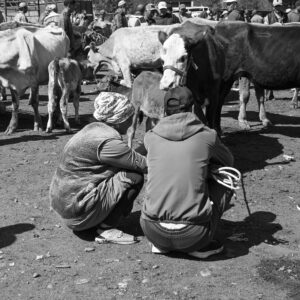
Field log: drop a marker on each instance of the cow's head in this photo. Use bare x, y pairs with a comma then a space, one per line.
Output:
176, 52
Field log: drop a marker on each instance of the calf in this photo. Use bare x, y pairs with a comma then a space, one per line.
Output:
66, 74
148, 100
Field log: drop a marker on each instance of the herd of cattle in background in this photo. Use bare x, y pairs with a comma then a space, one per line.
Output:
207, 56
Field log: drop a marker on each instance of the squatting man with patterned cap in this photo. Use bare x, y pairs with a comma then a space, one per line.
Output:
99, 176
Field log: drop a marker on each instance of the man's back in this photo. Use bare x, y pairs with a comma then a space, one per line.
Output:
179, 151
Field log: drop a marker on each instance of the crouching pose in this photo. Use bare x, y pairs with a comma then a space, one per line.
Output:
99, 176
183, 204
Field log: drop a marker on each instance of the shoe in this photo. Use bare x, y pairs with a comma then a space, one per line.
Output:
157, 250
115, 236
214, 247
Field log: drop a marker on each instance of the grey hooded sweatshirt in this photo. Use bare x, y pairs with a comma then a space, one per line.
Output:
180, 150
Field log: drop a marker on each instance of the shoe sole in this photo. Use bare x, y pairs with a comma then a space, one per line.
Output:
105, 241
207, 253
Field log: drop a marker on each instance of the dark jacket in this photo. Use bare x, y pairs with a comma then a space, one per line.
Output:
272, 18
167, 19
180, 151
93, 155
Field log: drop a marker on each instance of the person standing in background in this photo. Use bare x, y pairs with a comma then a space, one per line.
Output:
120, 20
277, 15
294, 15
183, 14
233, 13
20, 16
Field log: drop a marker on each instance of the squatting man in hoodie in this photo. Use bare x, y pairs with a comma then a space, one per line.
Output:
99, 176
183, 204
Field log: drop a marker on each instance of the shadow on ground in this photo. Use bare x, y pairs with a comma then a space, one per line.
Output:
252, 150
8, 234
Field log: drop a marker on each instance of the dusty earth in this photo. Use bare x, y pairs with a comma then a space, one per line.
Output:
41, 259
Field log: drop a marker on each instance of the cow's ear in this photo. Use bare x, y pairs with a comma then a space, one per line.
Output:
198, 36
162, 36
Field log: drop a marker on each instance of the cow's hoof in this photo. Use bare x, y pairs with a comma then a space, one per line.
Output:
10, 130
69, 130
37, 128
266, 123
124, 83
49, 130
244, 125
295, 105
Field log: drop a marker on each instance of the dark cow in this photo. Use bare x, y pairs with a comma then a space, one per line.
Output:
211, 59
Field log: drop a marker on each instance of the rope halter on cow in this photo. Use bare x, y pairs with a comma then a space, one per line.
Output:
182, 74
228, 177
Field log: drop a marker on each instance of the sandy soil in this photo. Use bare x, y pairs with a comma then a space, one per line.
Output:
41, 259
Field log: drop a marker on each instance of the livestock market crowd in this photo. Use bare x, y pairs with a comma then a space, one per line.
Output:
190, 174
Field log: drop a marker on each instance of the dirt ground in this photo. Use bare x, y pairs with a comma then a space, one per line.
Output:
41, 259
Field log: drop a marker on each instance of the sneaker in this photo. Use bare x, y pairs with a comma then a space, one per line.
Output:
214, 247
157, 250
115, 236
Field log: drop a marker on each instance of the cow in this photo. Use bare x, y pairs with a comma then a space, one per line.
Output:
65, 76
211, 59
25, 55
134, 48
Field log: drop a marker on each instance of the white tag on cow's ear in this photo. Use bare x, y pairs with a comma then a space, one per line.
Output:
194, 65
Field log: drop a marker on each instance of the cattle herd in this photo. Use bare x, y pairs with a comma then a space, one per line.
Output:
207, 56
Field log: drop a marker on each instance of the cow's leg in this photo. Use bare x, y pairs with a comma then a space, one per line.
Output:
2, 94
13, 124
260, 96
34, 100
295, 98
76, 96
64, 107
244, 91
124, 65
218, 101
51, 106
131, 130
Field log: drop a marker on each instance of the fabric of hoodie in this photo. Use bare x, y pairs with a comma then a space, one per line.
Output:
180, 150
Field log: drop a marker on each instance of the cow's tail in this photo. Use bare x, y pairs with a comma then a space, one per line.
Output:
56, 70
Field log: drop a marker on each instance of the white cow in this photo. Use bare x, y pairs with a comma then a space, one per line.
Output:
25, 55
134, 48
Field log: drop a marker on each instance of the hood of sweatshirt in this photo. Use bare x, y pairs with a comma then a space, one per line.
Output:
178, 127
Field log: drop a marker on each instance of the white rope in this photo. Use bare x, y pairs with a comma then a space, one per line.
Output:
228, 177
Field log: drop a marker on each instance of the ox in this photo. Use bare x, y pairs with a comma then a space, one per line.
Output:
212, 59
25, 56
65, 75
135, 48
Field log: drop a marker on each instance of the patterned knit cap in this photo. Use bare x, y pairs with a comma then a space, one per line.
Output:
112, 108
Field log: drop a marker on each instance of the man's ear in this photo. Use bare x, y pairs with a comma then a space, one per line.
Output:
162, 36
